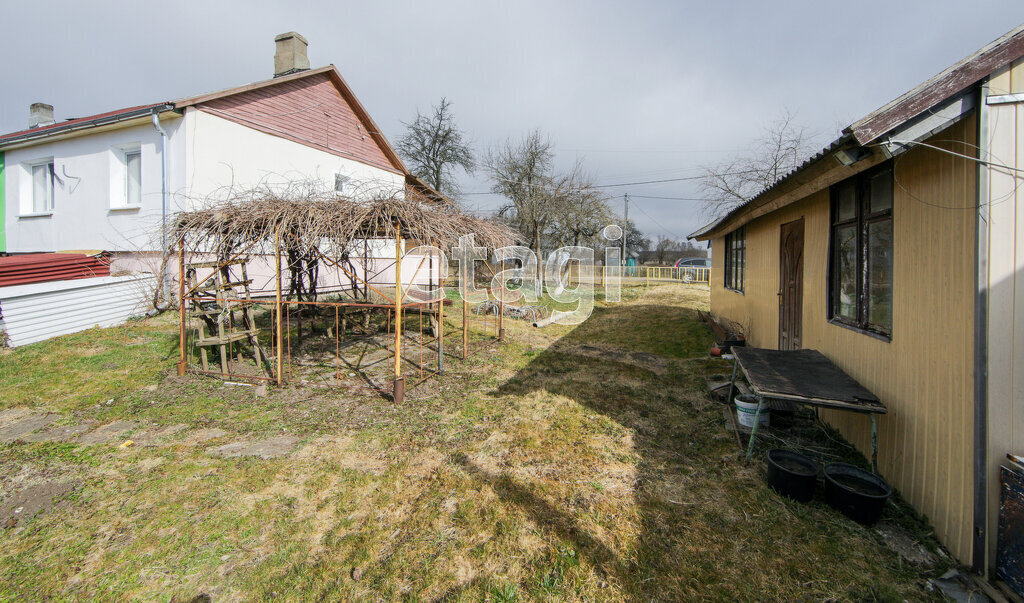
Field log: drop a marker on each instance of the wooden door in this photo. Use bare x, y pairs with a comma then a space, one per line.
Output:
791, 284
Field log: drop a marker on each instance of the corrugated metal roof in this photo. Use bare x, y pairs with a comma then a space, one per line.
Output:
45, 267
39, 311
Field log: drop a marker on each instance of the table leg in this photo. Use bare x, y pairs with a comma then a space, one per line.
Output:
753, 430
732, 382
874, 443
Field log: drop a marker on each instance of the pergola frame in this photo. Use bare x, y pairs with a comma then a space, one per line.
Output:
323, 228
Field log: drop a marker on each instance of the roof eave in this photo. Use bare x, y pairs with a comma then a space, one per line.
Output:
30, 138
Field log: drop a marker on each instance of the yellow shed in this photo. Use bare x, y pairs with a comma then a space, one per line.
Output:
894, 252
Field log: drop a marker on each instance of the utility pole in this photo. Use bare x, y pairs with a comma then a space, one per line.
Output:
625, 224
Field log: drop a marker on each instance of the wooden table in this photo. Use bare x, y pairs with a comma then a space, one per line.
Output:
803, 377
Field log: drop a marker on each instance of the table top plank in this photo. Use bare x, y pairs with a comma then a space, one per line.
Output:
804, 377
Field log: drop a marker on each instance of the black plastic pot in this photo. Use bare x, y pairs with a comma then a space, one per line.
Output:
858, 494
792, 474
728, 344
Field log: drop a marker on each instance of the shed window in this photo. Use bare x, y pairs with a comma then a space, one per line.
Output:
735, 258
42, 188
860, 267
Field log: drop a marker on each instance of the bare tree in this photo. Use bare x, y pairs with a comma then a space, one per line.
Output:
663, 246
782, 147
636, 243
522, 172
579, 210
435, 147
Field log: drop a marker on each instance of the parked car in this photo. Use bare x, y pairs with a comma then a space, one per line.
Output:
693, 269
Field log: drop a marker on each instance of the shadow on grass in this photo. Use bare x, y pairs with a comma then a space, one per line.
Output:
663, 347
707, 524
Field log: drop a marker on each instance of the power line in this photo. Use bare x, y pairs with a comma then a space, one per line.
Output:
667, 198
656, 222
667, 180
617, 184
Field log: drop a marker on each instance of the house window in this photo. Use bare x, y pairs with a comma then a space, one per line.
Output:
42, 188
860, 274
340, 183
126, 177
735, 258
133, 177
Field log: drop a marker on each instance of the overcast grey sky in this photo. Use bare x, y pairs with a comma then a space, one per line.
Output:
639, 90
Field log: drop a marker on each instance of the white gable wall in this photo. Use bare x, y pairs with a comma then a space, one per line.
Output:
223, 154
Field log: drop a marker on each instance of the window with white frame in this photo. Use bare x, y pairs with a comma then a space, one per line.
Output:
38, 194
133, 177
126, 177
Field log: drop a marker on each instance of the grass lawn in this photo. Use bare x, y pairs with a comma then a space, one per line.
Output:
564, 464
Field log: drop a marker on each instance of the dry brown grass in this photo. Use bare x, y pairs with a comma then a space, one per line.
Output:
540, 469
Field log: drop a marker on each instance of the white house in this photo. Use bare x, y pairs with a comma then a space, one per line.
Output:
108, 181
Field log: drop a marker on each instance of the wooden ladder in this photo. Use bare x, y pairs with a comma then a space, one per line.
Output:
215, 302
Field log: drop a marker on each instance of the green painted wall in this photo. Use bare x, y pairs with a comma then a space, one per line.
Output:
3, 207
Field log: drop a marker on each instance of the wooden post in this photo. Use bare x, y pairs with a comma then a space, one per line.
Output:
501, 311
440, 314
277, 309
465, 328
182, 363
399, 392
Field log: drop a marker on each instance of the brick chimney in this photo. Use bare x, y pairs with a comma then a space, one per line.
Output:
290, 56
40, 114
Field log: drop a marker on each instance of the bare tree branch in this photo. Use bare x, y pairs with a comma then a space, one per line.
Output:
435, 147
782, 147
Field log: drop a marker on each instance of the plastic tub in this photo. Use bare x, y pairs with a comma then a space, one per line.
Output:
792, 474
746, 410
858, 494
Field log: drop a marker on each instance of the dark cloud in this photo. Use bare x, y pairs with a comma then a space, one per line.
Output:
639, 90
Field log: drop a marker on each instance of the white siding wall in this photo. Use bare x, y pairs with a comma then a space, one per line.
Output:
40, 311
206, 155
83, 217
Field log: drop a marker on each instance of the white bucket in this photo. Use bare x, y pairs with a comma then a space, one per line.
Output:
746, 410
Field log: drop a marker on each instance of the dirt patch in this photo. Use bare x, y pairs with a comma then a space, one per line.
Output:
107, 433
909, 550
266, 449
26, 424
20, 507
203, 435
59, 433
158, 435
13, 415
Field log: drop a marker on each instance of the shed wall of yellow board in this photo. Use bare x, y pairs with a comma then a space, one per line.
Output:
924, 375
